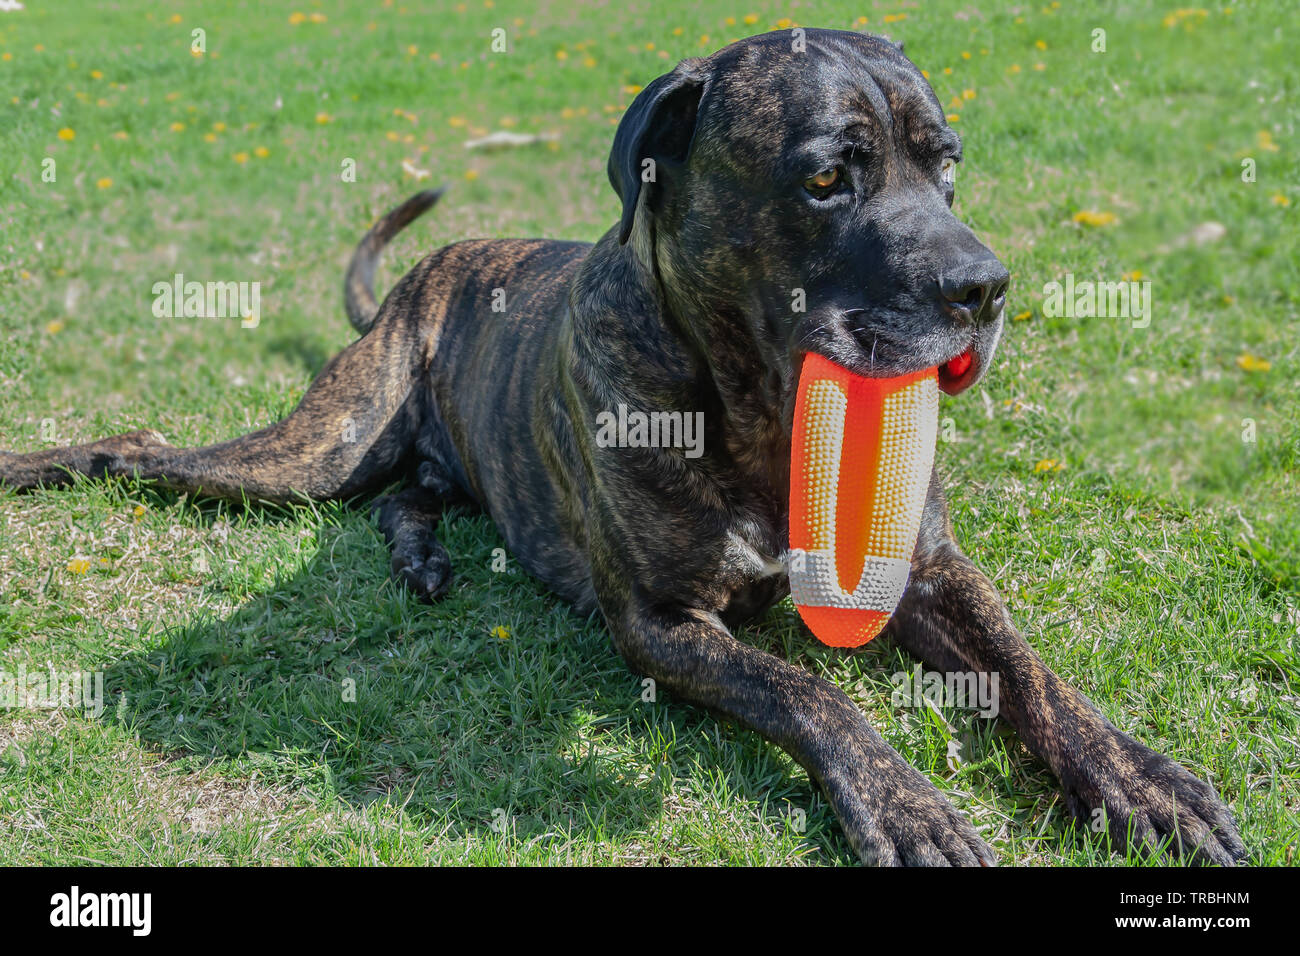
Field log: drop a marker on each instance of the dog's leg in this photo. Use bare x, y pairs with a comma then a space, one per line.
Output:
952, 617
409, 520
891, 814
352, 429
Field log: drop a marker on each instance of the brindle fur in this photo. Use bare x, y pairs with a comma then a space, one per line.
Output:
686, 306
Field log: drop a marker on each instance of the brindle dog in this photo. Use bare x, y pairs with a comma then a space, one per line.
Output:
766, 168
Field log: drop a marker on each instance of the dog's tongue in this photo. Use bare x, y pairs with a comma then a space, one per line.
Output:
957, 367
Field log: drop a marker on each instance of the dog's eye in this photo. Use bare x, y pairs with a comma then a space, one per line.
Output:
948, 171
824, 183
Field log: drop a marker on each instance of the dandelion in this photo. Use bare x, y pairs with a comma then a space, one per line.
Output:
750, 19
323, 118
177, 127
1048, 464
953, 117
1253, 363
241, 157
1277, 199
501, 632
1023, 316
968, 94
67, 134
561, 55
261, 152
1041, 44
54, 328
78, 565
121, 135
296, 18
471, 175
104, 183
1088, 217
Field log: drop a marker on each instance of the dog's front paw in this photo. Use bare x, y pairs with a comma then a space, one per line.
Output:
1149, 802
894, 816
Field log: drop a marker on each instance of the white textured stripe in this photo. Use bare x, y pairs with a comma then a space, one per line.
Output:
814, 582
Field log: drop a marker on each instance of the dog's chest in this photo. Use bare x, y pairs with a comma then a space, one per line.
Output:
756, 578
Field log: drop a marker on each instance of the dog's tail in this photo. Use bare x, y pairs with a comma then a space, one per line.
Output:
359, 283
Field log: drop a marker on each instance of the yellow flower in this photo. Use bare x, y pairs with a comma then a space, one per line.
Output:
631, 89
104, 183
1014, 68
177, 127
1253, 363
241, 157
1040, 44
750, 19
96, 75
218, 127
78, 565
456, 121
1048, 464
121, 134
1023, 316
1088, 217
965, 54
1133, 276
209, 137
138, 511
589, 61
1040, 67
952, 117
471, 174
947, 71
968, 94
1264, 139
317, 18
176, 18
68, 134
296, 18
261, 152
323, 118
501, 632
54, 328
1279, 200
561, 54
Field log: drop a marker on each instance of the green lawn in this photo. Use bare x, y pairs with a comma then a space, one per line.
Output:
1099, 474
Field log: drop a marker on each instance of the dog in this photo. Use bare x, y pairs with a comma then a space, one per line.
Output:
809, 168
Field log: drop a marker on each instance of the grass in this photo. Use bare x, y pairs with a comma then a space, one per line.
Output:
1099, 473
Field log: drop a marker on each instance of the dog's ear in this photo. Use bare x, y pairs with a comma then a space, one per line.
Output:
659, 126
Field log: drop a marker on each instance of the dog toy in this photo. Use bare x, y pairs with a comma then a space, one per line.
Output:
860, 465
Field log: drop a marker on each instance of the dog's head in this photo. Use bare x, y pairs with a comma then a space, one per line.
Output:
800, 183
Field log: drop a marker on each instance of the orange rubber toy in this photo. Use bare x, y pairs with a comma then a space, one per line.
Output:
860, 465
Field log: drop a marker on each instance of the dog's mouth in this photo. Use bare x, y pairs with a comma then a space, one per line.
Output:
957, 374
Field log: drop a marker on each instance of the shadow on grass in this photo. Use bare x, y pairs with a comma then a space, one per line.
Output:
336, 680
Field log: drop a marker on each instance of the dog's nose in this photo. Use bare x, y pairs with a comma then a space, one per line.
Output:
975, 292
